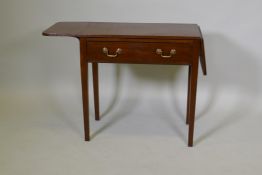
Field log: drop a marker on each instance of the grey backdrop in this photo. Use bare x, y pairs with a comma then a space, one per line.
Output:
40, 101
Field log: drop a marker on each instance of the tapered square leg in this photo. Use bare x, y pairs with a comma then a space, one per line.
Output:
192, 95
84, 82
192, 105
188, 95
96, 89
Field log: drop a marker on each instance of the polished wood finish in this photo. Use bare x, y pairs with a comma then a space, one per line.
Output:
136, 43
124, 30
140, 52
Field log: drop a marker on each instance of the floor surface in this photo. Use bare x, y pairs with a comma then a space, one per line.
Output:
42, 133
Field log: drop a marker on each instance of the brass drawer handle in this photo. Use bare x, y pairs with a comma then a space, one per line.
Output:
160, 52
118, 51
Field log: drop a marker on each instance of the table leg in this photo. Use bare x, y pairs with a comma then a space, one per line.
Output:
188, 94
84, 81
192, 105
96, 89
192, 99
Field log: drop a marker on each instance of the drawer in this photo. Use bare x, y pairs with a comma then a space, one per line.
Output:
140, 52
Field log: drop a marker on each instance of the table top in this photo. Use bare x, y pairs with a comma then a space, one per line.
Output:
125, 30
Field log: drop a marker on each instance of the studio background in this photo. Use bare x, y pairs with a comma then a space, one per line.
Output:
143, 127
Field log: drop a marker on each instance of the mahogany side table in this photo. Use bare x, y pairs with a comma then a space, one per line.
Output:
136, 43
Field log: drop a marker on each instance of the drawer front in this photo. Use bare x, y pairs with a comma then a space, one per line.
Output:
140, 52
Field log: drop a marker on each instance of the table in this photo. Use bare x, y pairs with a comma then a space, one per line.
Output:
135, 43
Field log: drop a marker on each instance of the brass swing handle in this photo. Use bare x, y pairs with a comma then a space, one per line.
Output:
160, 52
106, 52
